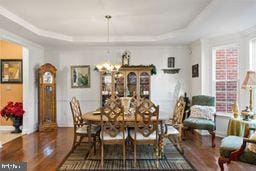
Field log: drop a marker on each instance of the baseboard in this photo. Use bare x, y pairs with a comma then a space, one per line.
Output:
65, 125
6, 128
204, 132
220, 134
28, 131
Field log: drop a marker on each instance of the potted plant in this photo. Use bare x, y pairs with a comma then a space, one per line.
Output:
15, 112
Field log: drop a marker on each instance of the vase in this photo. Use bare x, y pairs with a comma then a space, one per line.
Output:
17, 122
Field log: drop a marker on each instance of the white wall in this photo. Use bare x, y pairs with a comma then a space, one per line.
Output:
195, 55
33, 57
162, 84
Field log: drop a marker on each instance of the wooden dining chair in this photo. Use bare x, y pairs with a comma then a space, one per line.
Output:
81, 127
146, 126
112, 127
173, 127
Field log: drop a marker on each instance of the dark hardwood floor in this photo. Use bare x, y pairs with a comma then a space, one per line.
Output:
45, 151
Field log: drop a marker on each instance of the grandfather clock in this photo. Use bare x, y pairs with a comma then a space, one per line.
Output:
47, 97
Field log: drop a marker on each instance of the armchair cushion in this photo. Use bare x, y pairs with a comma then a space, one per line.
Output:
119, 136
139, 136
84, 129
232, 143
197, 123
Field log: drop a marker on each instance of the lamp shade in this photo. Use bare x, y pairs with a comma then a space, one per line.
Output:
250, 80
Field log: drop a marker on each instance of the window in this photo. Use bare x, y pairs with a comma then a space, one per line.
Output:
253, 60
253, 54
226, 77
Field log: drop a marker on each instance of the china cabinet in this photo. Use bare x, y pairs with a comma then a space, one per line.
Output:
47, 97
127, 82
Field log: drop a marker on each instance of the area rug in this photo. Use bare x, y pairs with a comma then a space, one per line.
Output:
6, 136
172, 159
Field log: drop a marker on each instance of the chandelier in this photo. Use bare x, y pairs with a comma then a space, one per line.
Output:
108, 66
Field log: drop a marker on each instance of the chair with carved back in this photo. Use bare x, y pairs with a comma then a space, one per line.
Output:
234, 148
173, 127
81, 127
146, 126
112, 127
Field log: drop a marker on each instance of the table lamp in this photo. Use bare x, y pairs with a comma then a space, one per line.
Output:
250, 83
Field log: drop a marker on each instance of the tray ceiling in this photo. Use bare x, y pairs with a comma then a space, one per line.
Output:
179, 21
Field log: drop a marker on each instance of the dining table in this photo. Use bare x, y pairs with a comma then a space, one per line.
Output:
94, 117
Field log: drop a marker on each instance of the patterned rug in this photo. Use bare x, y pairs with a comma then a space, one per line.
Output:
146, 160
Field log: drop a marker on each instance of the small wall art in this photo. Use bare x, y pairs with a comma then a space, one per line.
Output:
195, 70
80, 76
171, 62
11, 71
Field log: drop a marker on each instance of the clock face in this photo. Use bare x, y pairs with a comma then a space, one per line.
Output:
47, 78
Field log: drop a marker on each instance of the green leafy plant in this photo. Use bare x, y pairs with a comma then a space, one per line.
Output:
153, 70
83, 80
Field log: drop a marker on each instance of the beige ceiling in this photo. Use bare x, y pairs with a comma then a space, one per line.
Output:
56, 22
86, 17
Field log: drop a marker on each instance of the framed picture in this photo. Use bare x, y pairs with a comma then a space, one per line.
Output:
195, 70
80, 76
11, 71
171, 62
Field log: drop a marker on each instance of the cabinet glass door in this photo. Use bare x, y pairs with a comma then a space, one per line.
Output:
144, 85
106, 86
119, 84
131, 84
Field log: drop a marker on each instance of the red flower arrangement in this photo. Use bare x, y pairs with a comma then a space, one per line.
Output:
12, 110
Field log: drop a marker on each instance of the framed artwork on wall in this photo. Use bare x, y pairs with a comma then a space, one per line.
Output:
195, 70
11, 71
80, 76
171, 62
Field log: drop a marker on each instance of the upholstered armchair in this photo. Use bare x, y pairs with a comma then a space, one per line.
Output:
191, 123
237, 148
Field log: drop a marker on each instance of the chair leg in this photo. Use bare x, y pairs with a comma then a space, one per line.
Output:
102, 154
180, 140
157, 155
183, 133
222, 161
124, 154
80, 140
134, 155
94, 144
213, 138
74, 142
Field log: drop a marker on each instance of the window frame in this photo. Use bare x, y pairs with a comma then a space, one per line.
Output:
214, 49
252, 63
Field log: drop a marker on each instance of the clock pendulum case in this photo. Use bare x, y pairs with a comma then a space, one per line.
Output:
47, 97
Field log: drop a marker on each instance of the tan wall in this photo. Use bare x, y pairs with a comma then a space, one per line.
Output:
10, 92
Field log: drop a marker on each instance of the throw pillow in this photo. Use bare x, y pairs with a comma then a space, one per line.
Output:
203, 112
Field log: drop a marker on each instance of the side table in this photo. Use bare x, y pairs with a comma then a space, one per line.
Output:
237, 126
